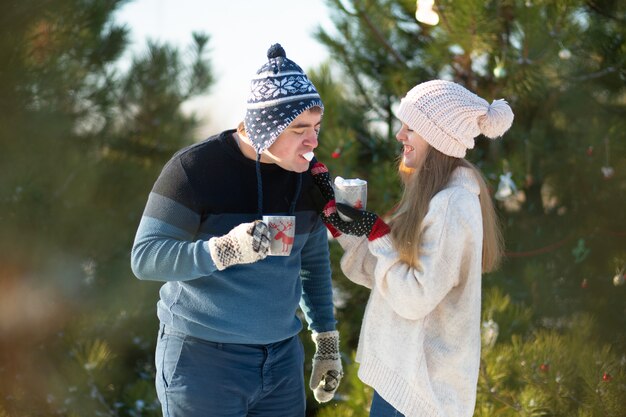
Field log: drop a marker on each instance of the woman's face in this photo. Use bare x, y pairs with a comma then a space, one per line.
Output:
414, 147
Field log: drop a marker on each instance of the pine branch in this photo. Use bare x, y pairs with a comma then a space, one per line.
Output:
492, 391
442, 17
593, 6
546, 387
362, 15
594, 75
379, 36
96, 394
463, 65
354, 74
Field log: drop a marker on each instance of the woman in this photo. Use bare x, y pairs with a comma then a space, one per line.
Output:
419, 346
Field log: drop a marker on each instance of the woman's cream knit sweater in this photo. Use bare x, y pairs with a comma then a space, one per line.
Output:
419, 346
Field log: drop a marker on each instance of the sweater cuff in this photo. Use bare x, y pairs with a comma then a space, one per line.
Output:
379, 230
382, 244
348, 241
333, 230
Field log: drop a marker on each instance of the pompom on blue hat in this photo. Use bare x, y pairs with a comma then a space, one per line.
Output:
279, 92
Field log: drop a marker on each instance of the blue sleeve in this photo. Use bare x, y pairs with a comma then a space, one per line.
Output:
165, 247
317, 291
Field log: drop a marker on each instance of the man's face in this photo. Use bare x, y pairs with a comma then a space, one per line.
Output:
297, 139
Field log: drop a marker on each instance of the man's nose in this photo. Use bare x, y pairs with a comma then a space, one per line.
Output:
311, 139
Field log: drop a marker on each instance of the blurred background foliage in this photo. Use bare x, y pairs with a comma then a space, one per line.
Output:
81, 142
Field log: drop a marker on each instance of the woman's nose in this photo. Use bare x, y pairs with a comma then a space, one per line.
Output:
400, 135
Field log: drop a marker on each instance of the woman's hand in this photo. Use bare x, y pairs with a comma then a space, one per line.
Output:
364, 223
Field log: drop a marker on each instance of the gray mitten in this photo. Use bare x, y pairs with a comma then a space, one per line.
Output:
327, 371
244, 244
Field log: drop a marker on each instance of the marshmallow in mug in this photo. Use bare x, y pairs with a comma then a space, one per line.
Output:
347, 182
352, 191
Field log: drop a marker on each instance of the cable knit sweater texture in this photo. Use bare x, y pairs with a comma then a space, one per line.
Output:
419, 346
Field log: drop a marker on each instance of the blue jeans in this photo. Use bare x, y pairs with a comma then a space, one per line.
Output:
198, 378
381, 408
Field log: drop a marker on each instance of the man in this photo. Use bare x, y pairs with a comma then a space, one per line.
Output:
228, 342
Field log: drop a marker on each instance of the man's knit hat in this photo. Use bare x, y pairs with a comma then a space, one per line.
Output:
280, 92
448, 116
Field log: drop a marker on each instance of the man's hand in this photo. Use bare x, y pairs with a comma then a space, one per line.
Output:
327, 370
244, 244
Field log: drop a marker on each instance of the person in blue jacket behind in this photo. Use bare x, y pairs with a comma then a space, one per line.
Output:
228, 341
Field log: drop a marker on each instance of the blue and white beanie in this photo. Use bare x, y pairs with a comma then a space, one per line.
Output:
280, 92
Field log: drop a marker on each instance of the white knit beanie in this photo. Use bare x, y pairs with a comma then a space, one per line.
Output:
448, 116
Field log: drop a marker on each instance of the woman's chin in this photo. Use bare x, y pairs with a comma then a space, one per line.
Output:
408, 161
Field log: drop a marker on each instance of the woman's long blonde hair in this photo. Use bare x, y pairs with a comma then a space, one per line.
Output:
420, 186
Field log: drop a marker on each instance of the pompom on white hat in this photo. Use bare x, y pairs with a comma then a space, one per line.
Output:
449, 116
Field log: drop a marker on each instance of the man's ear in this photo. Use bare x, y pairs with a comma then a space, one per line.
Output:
241, 130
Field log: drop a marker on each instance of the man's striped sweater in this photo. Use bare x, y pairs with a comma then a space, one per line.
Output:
205, 190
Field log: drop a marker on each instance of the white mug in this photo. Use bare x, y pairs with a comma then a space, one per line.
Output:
282, 233
352, 192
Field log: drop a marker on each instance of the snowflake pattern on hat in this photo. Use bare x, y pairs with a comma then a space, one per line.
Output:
264, 91
279, 93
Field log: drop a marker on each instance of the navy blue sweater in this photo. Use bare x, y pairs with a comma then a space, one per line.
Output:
205, 190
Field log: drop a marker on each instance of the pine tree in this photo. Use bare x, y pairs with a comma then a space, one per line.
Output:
560, 65
542, 372
82, 143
